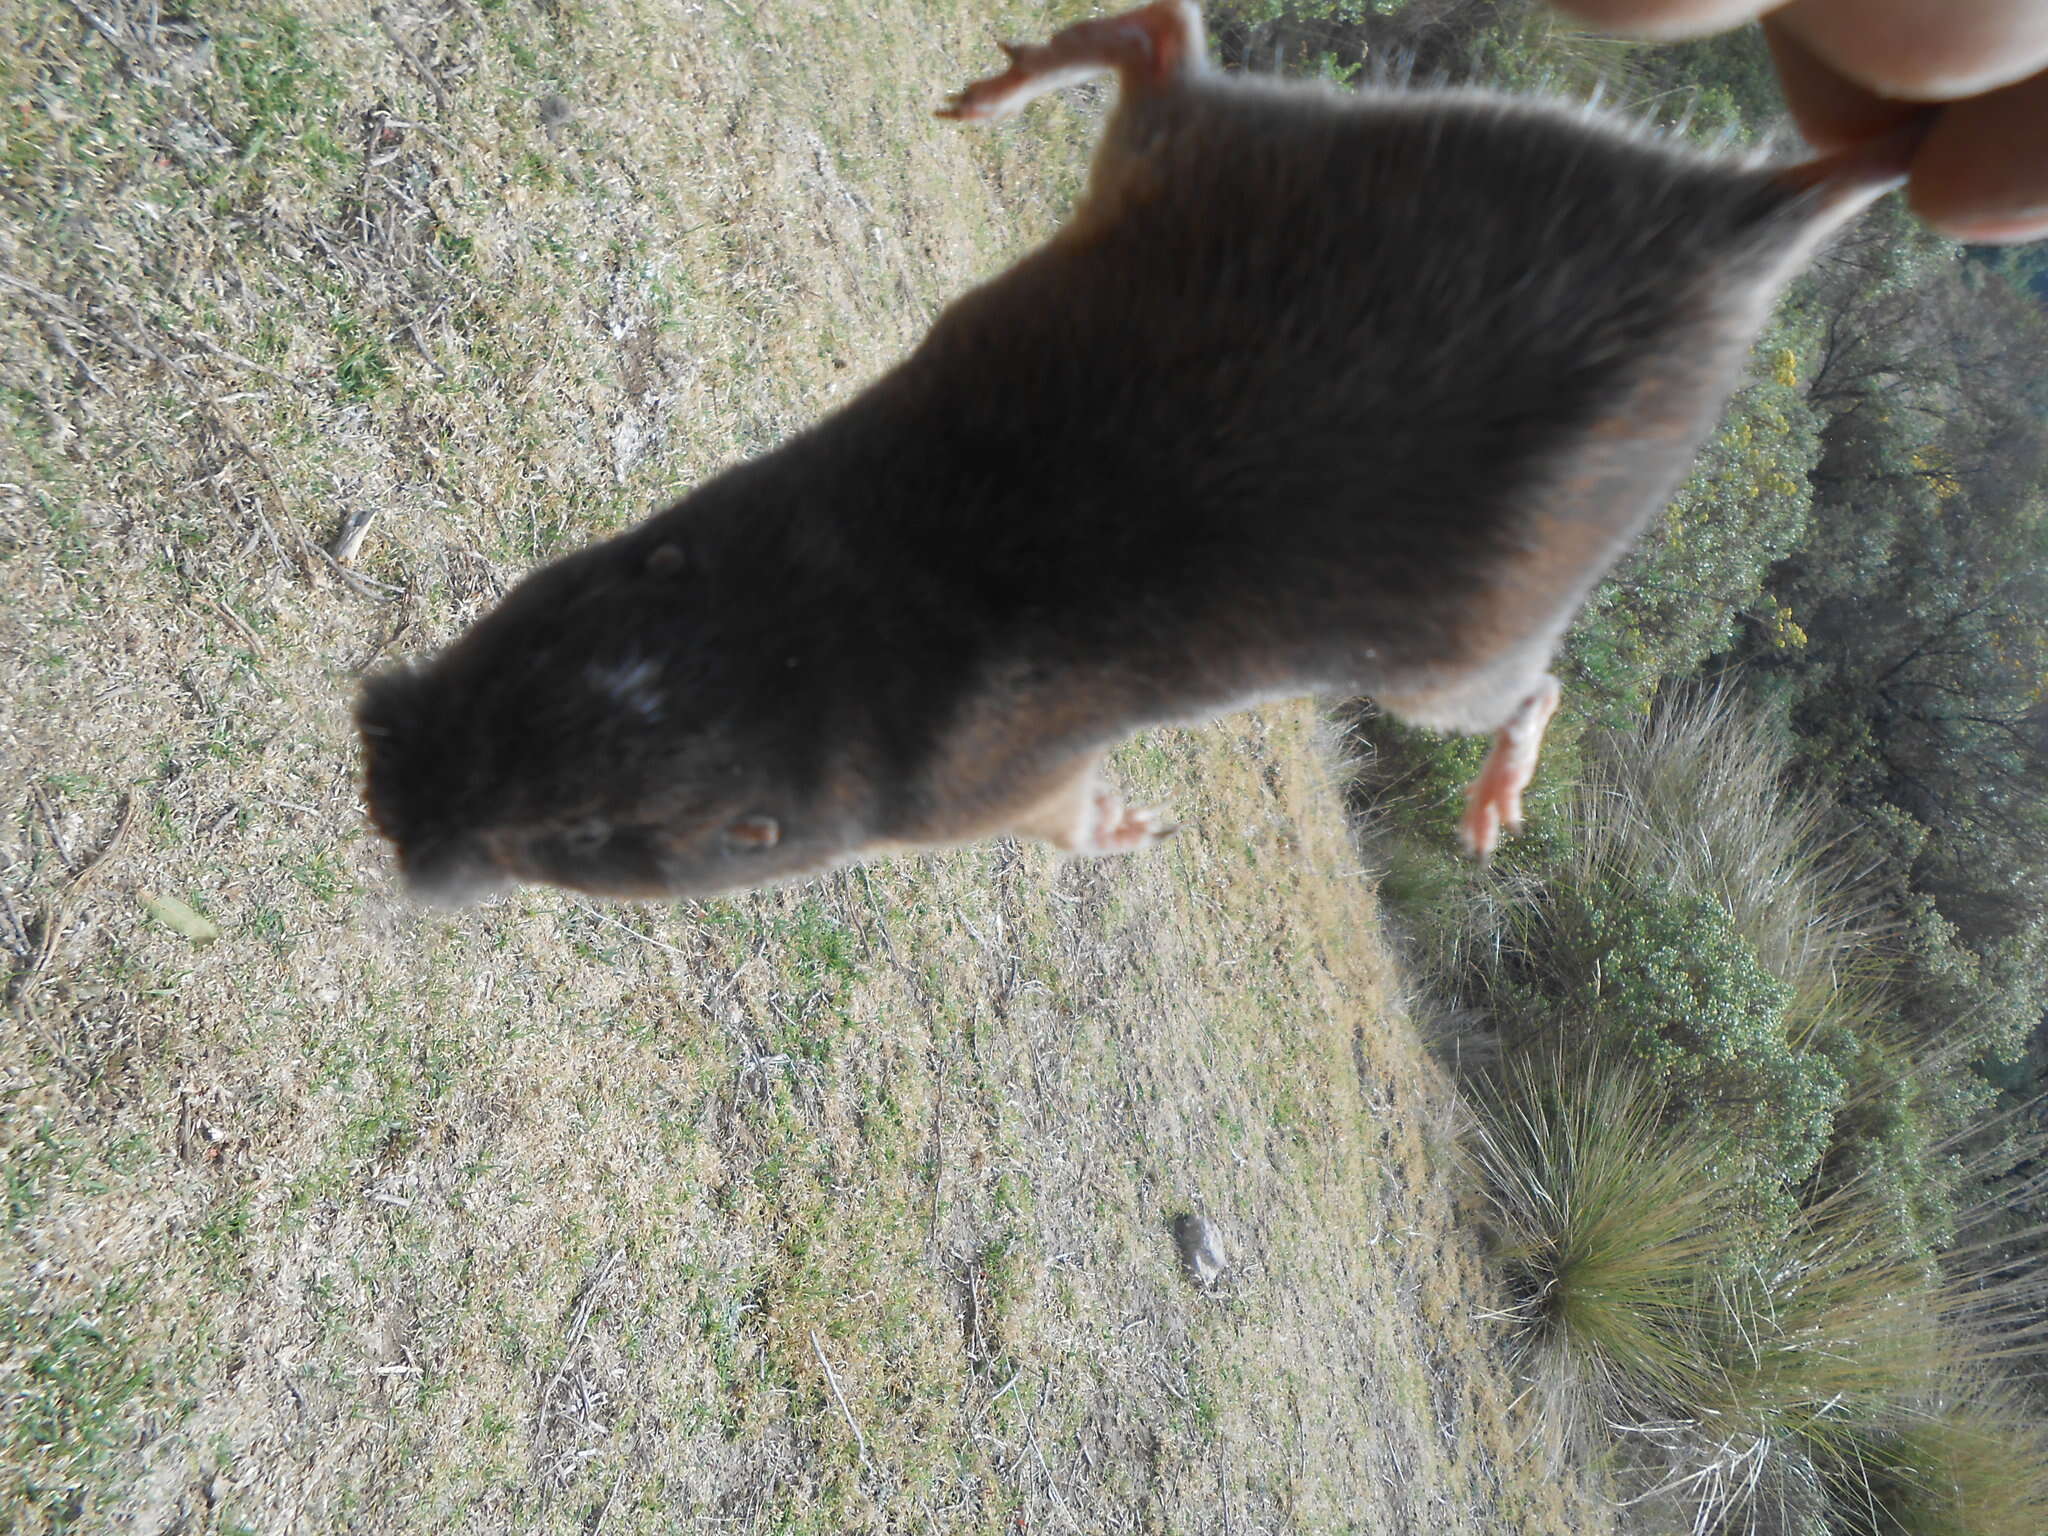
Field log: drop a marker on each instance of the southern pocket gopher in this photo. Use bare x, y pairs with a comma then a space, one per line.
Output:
1316, 390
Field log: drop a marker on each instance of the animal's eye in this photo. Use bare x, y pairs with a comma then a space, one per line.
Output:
750, 834
585, 836
665, 560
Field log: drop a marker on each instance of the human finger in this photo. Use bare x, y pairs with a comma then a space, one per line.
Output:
1832, 112
1982, 173
1923, 50
1666, 19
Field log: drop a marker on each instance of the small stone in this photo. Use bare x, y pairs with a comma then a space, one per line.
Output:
1201, 1251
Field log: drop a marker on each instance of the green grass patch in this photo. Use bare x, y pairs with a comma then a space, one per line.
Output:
73, 1378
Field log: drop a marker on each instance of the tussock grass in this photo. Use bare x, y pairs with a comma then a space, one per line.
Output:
1605, 1217
1826, 1381
1971, 1461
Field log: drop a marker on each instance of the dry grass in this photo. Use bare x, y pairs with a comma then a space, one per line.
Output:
841, 1207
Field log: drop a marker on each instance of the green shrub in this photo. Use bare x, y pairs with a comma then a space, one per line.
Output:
1886, 1143
1661, 977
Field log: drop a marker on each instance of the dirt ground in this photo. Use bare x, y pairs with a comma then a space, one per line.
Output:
841, 1207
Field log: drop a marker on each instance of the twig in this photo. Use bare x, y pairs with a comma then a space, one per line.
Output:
120, 43
585, 1305
383, 19
240, 444
1052, 1483
245, 362
999, 1393
27, 978
240, 624
224, 424
832, 1381
53, 333
881, 919
354, 580
49, 816
603, 1510
19, 943
348, 542
931, 1235
591, 909
38, 293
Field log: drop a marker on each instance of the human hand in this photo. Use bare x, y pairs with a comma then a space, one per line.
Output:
1852, 69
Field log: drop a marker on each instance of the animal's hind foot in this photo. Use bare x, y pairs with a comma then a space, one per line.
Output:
1493, 801
1149, 49
1084, 815
1118, 828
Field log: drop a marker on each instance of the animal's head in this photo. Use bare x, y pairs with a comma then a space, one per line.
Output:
603, 729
